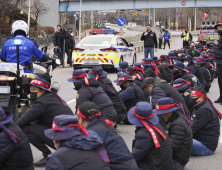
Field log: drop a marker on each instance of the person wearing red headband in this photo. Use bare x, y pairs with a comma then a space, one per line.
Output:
164, 61
89, 90
46, 105
178, 128
206, 124
75, 148
150, 68
98, 127
151, 145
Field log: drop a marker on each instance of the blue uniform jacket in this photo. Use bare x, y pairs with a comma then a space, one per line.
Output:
166, 36
26, 50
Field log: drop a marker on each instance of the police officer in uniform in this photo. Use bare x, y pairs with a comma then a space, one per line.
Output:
27, 49
187, 37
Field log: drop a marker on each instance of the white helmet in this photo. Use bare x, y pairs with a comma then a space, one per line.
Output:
20, 25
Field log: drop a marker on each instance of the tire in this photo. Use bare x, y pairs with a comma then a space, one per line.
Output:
13, 102
134, 59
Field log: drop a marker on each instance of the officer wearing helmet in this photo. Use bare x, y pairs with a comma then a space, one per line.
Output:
20, 30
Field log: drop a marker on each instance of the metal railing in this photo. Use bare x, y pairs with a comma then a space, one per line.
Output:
138, 46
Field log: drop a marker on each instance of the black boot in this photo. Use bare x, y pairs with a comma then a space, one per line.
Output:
41, 162
219, 100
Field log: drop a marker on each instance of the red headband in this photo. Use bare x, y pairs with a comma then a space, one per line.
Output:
123, 78
154, 65
79, 76
97, 74
135, 73
3, 117
197, 93
149, 126
199, 60
139, 68
180, 84
40, 83
96, 115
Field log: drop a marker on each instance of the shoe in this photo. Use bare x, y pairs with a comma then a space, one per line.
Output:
219, 100
41, 162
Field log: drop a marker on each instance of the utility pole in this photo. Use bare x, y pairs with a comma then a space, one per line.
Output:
169, 19
149, 15
177, 19
29, 13
154, 20
80, 19
195, 26
91, 20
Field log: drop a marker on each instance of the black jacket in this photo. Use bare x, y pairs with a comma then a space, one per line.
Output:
163, 72
43, 110
115, 98
197, 72
115, 146
149, 72
94, 93
77, 153
162, 89
147, 156
206, 125
206, 75
184, 75
58, 39
71, 42
218, 53
55, 39
181, 137
16, 156
169, 72
150, 39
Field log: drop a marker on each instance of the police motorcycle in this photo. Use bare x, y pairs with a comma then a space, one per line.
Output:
12, 77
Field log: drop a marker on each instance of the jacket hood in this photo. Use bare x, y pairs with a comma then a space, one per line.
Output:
92, 82
81, 142
158, 81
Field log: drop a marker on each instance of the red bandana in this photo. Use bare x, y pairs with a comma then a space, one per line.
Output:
180, 84
197, 93
40, 83
149, 126
154, 65
79, 76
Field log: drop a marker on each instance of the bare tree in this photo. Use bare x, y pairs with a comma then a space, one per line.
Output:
4, 6
37, 10
207, 10
13, 11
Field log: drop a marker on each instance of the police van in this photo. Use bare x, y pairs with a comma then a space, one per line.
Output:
104, 48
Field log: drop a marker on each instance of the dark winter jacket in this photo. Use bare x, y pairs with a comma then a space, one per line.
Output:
210, 69
169, 72
16, 156
206, 75
71, 42
113, 95
55, 38
162, 89
149, 72
147, 156
115, 146
184, 75
58, 39
77, 153
218, 53
150, 39
94, 93
163, 72
132, 95
206, 125
181, 138
43, 110
197, 72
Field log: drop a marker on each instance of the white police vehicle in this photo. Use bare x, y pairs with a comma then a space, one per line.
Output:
104, 48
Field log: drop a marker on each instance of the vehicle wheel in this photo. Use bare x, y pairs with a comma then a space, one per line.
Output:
134, 58
11, 108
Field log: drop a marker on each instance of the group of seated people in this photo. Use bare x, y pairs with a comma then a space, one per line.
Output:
166, 99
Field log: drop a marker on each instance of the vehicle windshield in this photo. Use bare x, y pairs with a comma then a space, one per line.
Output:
96, 40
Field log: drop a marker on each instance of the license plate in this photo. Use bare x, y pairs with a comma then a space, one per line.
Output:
4, 89
91, 61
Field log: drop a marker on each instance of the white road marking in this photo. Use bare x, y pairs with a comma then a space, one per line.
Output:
71, 101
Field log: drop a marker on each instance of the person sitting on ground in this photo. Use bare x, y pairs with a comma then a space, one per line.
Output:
119, 155
158, 89
178, 128
188, 62
206, 124
131, 93
75, 149
166, 63
151, 145
101, 76
180, 72
46, 105
195, 80
15, 151
139, 68
122, 67
161, 68
89, 90
200, 62
150, 68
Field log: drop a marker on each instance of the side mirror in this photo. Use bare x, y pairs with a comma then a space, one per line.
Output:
131, 45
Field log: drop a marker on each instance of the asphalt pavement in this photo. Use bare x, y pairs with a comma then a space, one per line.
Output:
127, 132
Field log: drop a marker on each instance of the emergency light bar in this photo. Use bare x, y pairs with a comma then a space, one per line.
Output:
95, 32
